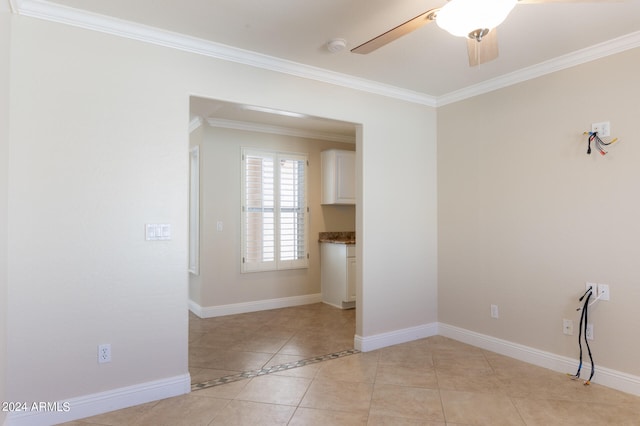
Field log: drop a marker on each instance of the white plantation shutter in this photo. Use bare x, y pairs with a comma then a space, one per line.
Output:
293, 211
258, 221
274, 211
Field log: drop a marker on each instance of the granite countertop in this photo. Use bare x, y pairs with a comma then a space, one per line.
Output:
348, 237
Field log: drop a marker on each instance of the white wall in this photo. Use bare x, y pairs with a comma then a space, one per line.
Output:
220, 280
5, 36
526, 217
99, 147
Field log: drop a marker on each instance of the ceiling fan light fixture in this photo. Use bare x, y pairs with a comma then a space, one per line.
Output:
463, 18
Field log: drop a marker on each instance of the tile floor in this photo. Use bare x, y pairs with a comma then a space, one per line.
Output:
232, 344
433, 381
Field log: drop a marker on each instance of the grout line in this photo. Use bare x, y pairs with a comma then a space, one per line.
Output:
273, 369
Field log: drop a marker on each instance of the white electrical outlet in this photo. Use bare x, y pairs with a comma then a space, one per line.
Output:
494, 311
104, 353
603, 291
589, 332
593, 287
567, 327
603, 129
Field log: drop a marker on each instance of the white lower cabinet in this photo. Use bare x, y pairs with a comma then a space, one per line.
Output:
338, 274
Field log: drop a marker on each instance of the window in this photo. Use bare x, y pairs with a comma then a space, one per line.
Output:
274, 210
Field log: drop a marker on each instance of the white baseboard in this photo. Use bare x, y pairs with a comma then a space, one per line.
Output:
395, 337
98, 403
605, 376
94, 404
258, 305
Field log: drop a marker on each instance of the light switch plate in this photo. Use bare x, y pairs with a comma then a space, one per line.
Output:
157, 231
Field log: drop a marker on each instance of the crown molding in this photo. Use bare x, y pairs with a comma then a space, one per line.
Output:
57, 13
79, 18
588, 54
278, 130
13, 5
195, 123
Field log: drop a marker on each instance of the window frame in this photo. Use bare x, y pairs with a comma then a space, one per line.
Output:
194, 210
278, 262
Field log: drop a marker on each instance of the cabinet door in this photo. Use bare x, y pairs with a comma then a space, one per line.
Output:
351, 279
346, 177
338, 177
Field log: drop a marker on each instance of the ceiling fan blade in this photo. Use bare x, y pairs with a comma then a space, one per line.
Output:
483, 51
396, 33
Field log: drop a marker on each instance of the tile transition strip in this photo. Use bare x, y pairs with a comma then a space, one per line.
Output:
273, 369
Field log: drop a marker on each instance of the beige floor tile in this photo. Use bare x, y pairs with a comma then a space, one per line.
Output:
483, 381
504, 363
308, 371
406, 376
527, 384
275, 390
309, 344
407, 356
194, 336
247, 413
461, 361
227, 391
118, 417
605, 395
260, 343
278, 359
186, 410
229, 360
406, 402
338, 396
441, 343
353, 368
379, 420
315, 417
221, 339
201, 326
540, 412
479, 409
200, 375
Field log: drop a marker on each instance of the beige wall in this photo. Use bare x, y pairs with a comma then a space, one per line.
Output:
5, 36
221, 282
526, 217
99, 147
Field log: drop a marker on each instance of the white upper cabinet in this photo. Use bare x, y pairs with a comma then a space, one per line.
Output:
338, 177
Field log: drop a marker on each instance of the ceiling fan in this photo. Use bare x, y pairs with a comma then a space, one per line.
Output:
474, 19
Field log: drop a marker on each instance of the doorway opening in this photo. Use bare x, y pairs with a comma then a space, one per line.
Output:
252, 321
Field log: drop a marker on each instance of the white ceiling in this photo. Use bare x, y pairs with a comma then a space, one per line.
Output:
430, 63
